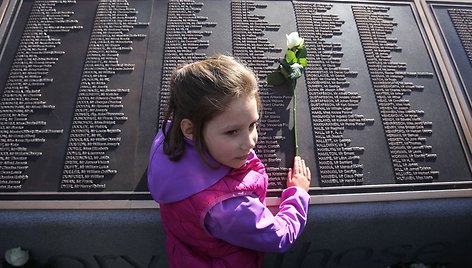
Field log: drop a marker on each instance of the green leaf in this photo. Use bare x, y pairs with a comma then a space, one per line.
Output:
301, 53
303, 62
290, 57
284, 64
285, 69
275, 78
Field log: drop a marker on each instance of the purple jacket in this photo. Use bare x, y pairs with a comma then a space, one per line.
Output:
243, 220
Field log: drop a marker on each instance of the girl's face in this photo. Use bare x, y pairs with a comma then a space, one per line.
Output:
231, 135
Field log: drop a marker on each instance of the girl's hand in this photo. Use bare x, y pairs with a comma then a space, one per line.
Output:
299, 175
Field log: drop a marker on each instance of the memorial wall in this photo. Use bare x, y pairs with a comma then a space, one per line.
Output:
384, 105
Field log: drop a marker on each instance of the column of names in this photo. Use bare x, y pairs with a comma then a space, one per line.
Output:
98, 108
331, 105
21, 97
462, 20
405, 132
184, 40
249, 44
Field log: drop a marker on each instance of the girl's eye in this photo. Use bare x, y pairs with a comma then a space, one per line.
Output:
253, 125
231, 132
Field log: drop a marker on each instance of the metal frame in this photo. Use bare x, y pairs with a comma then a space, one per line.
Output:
271, 201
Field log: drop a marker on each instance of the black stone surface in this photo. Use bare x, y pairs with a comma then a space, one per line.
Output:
84, 86
454, 21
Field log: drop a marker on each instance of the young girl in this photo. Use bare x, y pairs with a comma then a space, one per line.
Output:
207, 179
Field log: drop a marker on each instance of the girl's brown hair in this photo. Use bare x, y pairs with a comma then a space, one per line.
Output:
200, 91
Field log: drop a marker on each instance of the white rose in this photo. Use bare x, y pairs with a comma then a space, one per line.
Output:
293, 40
16, 256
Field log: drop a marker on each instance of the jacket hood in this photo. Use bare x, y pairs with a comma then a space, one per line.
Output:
171, 181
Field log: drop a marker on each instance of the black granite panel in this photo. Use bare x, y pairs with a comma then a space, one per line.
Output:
455, 25
379, 113
85, 84
70, 100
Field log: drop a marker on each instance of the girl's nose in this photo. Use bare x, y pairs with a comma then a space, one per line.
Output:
249, 142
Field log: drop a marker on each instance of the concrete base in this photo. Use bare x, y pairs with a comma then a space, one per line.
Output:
339, 235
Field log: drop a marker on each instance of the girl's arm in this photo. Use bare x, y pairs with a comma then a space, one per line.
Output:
246, 222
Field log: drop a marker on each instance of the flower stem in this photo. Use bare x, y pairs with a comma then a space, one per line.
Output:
294, 111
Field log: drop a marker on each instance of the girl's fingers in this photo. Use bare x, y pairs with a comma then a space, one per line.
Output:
297, 164
299, 167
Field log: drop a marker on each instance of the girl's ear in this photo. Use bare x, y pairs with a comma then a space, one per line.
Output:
187, 128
